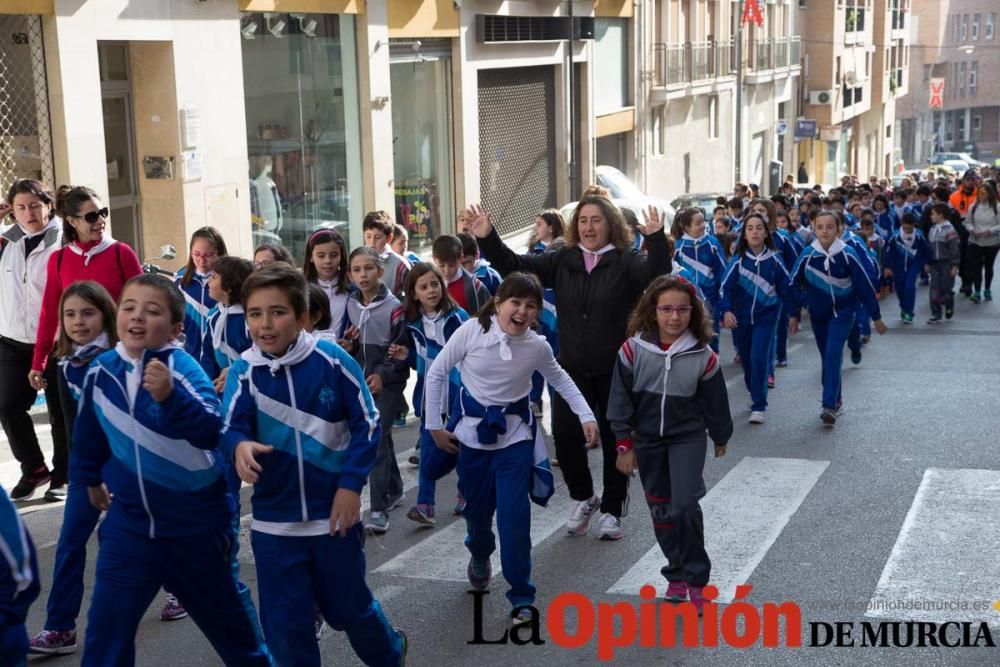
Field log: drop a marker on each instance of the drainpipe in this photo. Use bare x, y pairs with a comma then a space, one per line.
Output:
571, 109
739, 92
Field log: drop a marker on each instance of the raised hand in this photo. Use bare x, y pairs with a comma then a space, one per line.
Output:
652, 222
479, 222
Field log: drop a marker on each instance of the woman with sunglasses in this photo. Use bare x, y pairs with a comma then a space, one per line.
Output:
88, 253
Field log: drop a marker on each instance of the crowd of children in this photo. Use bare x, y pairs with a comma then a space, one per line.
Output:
291, 380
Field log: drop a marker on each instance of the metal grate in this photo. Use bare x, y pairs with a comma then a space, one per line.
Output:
517, 144
491, 28
25, 136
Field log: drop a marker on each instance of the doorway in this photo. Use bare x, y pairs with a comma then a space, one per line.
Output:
119, 143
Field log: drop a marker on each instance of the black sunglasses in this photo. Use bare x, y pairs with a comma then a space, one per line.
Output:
92, 217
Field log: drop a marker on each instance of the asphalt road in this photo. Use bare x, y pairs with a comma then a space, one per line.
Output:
897, 503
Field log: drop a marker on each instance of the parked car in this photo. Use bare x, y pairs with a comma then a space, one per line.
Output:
703, 200
304, 217
955, 160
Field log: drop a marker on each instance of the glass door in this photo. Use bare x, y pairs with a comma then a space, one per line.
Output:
120, 151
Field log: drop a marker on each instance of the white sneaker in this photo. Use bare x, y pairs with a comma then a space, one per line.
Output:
757, 417
609, 527
579, 520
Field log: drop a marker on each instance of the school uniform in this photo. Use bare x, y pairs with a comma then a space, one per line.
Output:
380, 324
313, 406
884, 225
548, 320
706, 259
753, 289
227, 335
338, 302
502, 462
427, 337
791, 246
395, 268
860, 246
906, 255
197, 304
944, 251
19, 583
669, 399
488, 276
170, 521
833, 284
468, 292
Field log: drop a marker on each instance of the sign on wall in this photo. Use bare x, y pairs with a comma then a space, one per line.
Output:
937, 93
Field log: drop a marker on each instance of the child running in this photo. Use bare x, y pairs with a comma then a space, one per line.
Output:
373, 323
86, 329
703, 255
465, 289
945, 255
668, 389
752, 293
502, 459
431, 319
326, 265
145, 435
906, 253
304, 429
227, 334
207, 246
832, 280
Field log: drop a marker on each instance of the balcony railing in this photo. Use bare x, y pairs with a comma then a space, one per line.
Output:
795, 50
687, 63
781, 52
763, 55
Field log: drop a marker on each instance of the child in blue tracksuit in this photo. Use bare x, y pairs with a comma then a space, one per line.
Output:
855, 339
375, 321
19, 585
227, 335
301, 426
476, 265
146, 434
548, 318
752, 291
432, 316
905, 254
207, 246
502, 461
86, 330
703, 255
791, 247
883, 216
832, 280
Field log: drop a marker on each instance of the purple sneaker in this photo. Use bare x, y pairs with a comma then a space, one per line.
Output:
53, 642
422, 514
697, 598
172, 609
677, 591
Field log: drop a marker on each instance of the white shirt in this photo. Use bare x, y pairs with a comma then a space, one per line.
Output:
493, 380
338, 302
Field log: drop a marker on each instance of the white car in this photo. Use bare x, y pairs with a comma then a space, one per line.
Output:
625, 194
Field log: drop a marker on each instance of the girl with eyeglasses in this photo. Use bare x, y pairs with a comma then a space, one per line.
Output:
89, 253
668, 390
207, 246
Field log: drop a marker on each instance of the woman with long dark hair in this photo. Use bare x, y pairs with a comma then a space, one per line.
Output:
984, 241
597, 279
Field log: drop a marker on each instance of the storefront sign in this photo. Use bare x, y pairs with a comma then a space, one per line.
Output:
805, 129
413, 209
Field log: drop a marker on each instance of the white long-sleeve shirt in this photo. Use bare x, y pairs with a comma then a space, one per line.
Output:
492, 379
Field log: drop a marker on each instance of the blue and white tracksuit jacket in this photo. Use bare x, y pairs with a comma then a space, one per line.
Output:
860, 246
488, 276
227, 335
313, 406
157, 459
884, 224
906, 258
197, 303
19, 583
754, 287
706, 260
833, 282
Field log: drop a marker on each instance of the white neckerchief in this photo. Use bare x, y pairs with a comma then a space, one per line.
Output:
102, 245
299, 350
219, 331
836, 248
366, 311
682, 344
433, 326
497, 336
328, 286
908, 239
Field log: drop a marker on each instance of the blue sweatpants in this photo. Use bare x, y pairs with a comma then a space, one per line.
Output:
781, 335
831, 333
435, 463
906, 288
753, 343
497, 481
79, 520
297, 573
131, 567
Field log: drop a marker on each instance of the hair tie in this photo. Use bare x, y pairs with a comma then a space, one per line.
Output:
334, 232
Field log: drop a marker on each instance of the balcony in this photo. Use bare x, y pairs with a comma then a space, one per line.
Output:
772, 58
681, 64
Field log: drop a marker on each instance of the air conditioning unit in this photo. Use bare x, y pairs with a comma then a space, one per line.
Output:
821, 97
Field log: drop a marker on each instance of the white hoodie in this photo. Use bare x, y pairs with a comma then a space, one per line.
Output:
22, 280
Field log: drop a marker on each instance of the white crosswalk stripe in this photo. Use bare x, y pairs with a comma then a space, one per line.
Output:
744, 515
943, 566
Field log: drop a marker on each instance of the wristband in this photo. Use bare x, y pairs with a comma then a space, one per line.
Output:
624, 446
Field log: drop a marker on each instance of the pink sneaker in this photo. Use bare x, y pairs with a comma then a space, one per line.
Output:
53, 642
697, 598
172, 609
677, 591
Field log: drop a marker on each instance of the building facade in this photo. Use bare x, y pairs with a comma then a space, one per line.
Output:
269, 119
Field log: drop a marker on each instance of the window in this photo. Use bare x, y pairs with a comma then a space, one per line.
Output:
949, 128
927, 73
963, 31
961, 80
888, 131
960, 130
988, 28
973, 77
975, 27
611, 58
713, 117
977, 126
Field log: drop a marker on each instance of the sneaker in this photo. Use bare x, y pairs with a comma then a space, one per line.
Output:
757, 417
414, 460
377, 523
609, 527
399, 422
697, 598
172, 609
781, 363
53, 642
949, 313
770, 382
829, 416
579, 520
56, 492
934, 320
520, 616
976, 297
855, 357
907, 318
29, 482
479, 573
423, 514
459, 505
677, 591
987, 295
839, 410
319, 624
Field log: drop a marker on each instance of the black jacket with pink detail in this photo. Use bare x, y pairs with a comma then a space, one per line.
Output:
662, 394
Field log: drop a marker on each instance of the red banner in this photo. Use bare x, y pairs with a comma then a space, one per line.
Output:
751, 12
937, 93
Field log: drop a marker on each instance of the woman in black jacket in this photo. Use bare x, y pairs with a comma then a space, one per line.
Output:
597, 279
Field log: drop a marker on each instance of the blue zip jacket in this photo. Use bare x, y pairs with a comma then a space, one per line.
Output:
233, 339
903, 259
832, 282
788, 245
425, 346
488, 276
19, 583
706, 260
884, 224
197, 303
313, 406
860, 246
754, 287
160, 460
